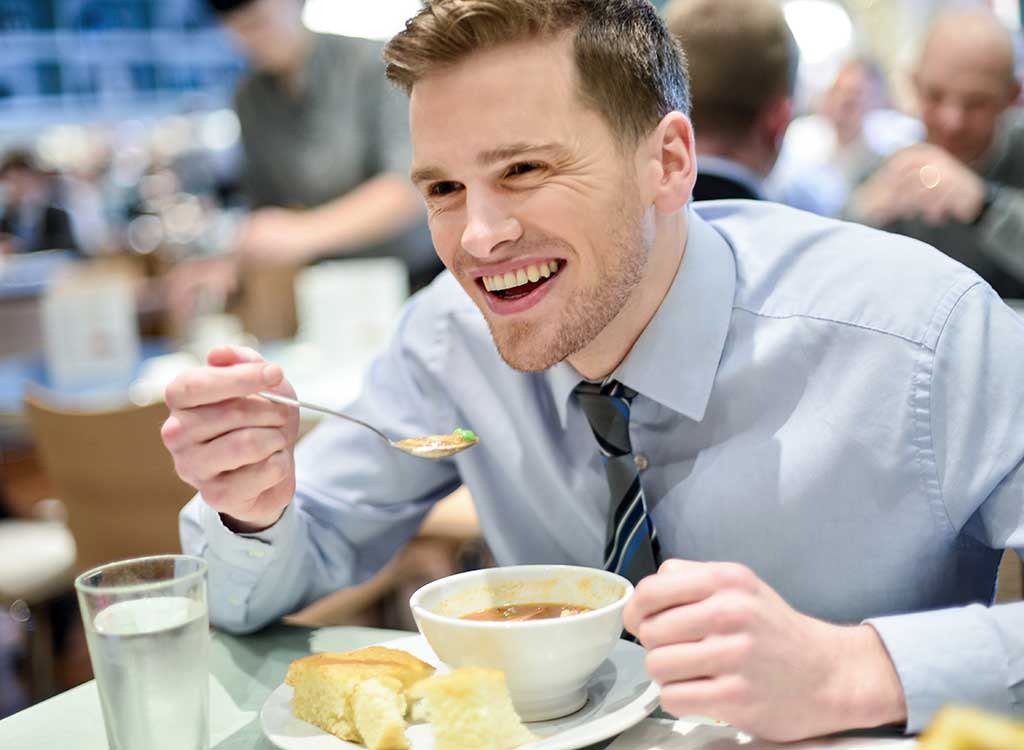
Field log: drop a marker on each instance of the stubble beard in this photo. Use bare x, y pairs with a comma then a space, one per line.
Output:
536, 346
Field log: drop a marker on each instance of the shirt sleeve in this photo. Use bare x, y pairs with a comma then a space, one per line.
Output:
972, 654
1001, 231
357, 502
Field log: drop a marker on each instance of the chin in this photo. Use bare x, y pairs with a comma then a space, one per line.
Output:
523, 348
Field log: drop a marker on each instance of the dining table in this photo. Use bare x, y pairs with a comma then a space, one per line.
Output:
246, 669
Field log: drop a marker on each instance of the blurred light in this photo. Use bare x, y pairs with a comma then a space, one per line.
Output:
183, 219
145, 234
822, 28
219, 130
379, 20
1009, 12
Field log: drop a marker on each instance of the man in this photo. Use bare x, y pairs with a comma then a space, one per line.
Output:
30, 220
325, 142
833, 409
743, 60
961, 190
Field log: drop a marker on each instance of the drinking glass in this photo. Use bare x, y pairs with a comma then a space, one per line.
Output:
146, 624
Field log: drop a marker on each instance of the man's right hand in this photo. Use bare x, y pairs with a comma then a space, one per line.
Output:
236, 448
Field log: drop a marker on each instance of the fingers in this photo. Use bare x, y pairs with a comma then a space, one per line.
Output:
694, 661
223, 356
707, 697
681, 582
210, 385
237, 492
725, 613
201, 463
204, 423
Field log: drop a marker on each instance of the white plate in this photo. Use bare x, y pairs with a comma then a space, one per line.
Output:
620, 695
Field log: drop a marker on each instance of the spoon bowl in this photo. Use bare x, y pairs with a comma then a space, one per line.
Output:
432, 447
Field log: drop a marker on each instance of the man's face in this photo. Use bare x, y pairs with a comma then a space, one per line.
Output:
963, 90
533, 204
270, 31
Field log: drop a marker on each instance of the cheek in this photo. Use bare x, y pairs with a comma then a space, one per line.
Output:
446, 233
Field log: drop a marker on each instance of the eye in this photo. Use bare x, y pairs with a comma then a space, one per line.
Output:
440, 189
521, 168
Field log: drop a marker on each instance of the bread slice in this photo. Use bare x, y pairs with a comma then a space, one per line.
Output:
378, 712
470, 709
324, 684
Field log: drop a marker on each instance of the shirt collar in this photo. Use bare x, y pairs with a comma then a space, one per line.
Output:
675, 360
731, 170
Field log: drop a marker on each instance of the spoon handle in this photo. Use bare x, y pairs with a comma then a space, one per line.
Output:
277, 399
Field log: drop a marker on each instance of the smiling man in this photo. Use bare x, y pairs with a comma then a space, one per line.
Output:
832, 411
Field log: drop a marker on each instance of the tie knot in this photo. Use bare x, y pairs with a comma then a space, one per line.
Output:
607, 408
609, 388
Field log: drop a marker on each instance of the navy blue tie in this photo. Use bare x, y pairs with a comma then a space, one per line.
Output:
632, 548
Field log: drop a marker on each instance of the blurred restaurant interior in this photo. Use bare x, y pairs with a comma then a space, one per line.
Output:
135, 234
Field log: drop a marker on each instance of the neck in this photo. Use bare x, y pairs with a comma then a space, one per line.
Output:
747, 152
292, 76
603, 355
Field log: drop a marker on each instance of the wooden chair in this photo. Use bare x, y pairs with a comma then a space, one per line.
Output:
115, 477
1010, 583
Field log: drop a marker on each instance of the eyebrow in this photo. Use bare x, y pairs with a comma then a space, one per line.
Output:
493, 156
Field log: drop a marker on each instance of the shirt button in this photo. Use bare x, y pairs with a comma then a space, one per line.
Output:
641, 461
256, 553
234, 601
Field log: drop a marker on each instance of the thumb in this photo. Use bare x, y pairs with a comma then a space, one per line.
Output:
225, 356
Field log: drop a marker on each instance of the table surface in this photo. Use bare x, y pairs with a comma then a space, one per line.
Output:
244, 670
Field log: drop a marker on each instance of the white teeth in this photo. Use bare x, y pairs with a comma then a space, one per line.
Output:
512, 279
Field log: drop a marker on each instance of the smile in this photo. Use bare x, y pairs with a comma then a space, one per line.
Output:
519, 282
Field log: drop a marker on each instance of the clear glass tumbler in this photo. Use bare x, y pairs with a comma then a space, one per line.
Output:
146, 623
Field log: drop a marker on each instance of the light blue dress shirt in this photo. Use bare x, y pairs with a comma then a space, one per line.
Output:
838, 408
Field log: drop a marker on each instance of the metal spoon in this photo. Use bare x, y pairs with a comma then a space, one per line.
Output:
431, 446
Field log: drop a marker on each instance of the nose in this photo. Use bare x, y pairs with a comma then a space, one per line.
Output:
951, 117
488, 225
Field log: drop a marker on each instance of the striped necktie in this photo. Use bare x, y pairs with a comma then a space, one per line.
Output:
632, 548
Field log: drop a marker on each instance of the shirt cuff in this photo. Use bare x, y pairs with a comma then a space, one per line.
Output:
946, 656
240, 564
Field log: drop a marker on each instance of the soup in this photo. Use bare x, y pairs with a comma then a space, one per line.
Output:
531, 611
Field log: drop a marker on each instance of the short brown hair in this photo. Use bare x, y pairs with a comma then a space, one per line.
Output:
631, 69
742, 56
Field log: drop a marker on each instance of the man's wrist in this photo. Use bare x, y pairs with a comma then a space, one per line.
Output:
867, 692
991, 193
251, 526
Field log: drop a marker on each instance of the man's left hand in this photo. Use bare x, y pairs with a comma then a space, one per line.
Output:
722, 643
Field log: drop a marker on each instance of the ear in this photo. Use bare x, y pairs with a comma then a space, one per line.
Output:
667, 163
1014, 94
775, 120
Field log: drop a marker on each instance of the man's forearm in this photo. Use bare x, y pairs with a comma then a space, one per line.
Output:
378, 210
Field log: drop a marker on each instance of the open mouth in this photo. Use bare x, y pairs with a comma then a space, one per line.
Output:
521, 282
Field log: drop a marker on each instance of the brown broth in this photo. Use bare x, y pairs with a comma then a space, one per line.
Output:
530, 611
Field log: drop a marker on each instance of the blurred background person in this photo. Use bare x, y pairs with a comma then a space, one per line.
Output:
743, 65
828, 152
960, 190
326, 159
31, 219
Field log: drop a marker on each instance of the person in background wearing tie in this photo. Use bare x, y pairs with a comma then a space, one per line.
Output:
743, 62
963, 189
799, 437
